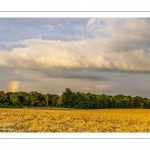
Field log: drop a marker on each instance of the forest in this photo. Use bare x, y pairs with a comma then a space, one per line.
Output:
70, 99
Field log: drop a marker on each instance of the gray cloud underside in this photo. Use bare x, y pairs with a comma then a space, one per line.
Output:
84, 74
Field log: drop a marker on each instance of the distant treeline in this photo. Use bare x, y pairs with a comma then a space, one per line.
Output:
70, 99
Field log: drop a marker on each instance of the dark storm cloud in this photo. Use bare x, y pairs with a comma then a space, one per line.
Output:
82, 74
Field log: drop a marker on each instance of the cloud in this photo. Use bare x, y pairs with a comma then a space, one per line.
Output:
103, 87
114, 45
122, 34
100, 55
88, 54
50, 27
82, 74
86, 89
14, 29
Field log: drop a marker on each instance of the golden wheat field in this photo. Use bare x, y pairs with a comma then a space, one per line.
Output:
102, 120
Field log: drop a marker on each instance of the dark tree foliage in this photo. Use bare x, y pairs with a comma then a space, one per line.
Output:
70, 99
67, 98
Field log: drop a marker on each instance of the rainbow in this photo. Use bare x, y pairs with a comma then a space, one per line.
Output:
13, 86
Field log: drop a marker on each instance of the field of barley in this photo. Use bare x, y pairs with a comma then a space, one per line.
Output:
101, 120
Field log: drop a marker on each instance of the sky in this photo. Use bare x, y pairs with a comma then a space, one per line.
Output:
98, 55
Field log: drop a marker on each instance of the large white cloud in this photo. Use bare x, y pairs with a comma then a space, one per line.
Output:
90, 53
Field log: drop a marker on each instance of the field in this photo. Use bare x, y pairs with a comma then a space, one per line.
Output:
73, 120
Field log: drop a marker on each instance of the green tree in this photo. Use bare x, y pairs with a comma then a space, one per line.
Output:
22, 98
104, 100
3, 97
47, 97
67, 98
37, 99
137, 102
59, 101
110, 101
55, 100
14, 100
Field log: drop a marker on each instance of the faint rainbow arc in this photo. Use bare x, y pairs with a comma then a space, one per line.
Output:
13, 86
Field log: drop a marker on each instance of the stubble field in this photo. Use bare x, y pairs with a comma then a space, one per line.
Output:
73, 120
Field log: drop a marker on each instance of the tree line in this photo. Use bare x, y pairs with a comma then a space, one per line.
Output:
70, 99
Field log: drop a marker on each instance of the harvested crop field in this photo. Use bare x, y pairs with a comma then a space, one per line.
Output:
74, 120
